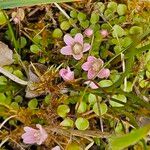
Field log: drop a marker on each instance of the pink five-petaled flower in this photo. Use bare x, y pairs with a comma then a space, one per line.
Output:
94, 67
75, 46
66, 74
34, 136
56, 148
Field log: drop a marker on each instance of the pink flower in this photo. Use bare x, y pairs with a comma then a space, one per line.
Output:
66, 74
56, 148
94, 67
88, 32
91, 84
104, 33
75, 46
34, 136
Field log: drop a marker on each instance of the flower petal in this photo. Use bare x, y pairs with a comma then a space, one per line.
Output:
86, 47
66, 74
91, 59
78, 57
68, 39
104, 73
79, 38
29, 129
66, 50
91, 84
86, 66
28, 138
43, 133
62, 72
91, 74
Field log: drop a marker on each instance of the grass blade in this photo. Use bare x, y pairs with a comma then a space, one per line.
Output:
119, 143
21, 3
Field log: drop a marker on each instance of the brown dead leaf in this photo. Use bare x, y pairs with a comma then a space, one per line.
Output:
6, 55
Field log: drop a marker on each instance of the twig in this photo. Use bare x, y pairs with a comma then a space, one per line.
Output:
4, 141
65, 14
12, 77
2, 124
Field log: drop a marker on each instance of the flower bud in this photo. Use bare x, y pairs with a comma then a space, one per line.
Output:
88, 32
104, 33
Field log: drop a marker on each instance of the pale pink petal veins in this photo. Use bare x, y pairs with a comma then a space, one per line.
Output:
67, 50
43, 134
79, 38
29, 129
86, 66
86, 47
28, 138
78, 57
91, 74
91, 59
68, 40
104, 73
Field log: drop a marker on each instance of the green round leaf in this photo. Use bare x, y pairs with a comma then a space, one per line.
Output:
22, 42
136, 30
37, 39
121, 9
148, 66
47, 99
14, 105
148, 74
84, 24
74, 31
92, 99
65, 25
108, 14
73, 14
94, 18
35, 49
18, 73
3, 80
118, 31
62, 110
2, 98
114, 76
105, 83
67, 122
100, 6
74, 146
18, 99
101, 110
81, 16
112, 6
33, 103
82, 123
144, 83
128, 87
57, 33
82, 107
119, 97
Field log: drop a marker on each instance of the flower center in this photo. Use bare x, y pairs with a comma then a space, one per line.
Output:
96, 66
77, 48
